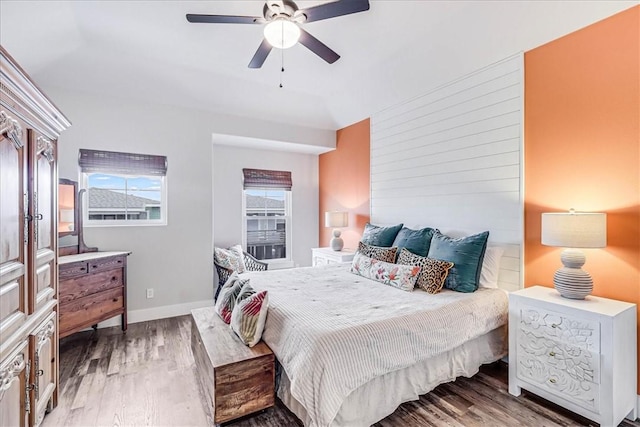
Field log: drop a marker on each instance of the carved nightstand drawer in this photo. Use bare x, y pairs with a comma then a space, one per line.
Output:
568, 371
577, 331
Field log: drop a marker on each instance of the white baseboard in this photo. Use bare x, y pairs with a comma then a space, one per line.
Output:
163, 312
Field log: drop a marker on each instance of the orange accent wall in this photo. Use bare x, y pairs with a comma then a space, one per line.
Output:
582, 148
344, 182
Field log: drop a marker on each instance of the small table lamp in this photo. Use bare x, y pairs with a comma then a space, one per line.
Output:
335, 220
573, 230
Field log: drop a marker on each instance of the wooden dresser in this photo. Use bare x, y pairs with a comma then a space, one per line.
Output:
29, 128
93, 288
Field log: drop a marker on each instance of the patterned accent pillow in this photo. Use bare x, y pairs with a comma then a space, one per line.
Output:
250, 314
231, 258
399, 276
377, 252
433, 272
227, 297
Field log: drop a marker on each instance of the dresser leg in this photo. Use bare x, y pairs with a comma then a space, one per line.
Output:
124, 323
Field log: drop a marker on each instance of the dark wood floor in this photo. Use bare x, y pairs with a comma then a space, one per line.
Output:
148, 378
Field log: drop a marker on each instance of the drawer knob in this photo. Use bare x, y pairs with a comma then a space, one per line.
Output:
119, 261
554, 325
552, 354
115, 300
114, 279
82, 268
552, 380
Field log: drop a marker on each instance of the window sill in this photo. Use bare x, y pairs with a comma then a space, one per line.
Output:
280, 265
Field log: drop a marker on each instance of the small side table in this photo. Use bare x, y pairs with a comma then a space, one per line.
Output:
324, 256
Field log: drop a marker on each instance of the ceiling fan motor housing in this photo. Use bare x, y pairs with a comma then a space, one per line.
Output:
285, 9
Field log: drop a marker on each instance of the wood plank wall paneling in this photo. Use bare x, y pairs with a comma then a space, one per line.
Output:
451, 159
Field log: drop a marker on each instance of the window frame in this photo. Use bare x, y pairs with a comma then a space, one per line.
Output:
163, 221
274, 264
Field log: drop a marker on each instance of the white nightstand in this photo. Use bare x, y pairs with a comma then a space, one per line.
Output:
324, 256
580, 354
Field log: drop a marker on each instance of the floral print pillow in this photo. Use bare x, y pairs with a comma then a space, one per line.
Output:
399, 276
231, 258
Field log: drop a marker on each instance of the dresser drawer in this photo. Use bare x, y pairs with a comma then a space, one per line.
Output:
86, 311
567, 371
561, 327
81, 286
110, 263
73, 269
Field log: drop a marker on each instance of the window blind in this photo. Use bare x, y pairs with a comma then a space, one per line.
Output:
259, 178
125, 163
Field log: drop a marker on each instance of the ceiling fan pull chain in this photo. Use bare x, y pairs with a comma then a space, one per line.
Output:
281, 65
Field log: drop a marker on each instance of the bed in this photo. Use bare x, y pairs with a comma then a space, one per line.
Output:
353, 349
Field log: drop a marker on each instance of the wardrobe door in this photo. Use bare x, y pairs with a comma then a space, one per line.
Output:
42, 245
13, 232
44, 377
14, 395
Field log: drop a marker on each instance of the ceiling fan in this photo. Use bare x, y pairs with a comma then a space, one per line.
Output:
282, 30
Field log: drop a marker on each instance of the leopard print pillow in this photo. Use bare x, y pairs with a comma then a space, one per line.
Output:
377, 252
433, 272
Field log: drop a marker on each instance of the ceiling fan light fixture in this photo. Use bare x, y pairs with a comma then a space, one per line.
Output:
282, 33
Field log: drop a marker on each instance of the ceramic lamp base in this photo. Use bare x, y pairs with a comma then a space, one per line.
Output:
571, 280
336, 242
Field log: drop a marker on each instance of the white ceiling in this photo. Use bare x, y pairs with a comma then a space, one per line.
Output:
146, 50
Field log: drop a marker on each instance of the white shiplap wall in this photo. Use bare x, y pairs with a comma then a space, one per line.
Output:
451, 159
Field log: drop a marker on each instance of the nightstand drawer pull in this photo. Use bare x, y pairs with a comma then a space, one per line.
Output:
554, 326
552, 380
552, 354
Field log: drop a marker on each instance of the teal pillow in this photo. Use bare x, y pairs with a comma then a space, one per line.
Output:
415, 241
466, 254
380, 236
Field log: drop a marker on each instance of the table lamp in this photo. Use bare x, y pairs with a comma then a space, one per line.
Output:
573, 230
336, 220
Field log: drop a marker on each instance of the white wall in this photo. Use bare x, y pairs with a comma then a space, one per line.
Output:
176, 260
228, 163
451, 159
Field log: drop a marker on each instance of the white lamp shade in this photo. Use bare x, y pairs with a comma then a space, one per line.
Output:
282, 34
574, 229
336, 219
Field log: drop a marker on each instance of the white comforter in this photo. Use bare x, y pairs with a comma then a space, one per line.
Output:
333, 331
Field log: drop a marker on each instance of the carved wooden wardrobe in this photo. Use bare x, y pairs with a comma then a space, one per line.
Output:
29, 127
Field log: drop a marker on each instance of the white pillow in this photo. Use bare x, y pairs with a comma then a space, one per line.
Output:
491, 267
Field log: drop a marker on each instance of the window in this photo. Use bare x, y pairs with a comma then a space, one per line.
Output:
267, 214
123, 188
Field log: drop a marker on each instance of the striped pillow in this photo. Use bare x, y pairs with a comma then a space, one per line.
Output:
250, 314
228, 294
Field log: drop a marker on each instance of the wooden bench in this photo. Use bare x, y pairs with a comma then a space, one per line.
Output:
237, 380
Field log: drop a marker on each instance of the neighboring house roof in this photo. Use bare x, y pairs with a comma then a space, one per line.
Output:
101, 198
255, 202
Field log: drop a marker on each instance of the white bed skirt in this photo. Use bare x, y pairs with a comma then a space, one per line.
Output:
372, 402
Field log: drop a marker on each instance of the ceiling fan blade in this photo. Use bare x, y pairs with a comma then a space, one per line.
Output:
224, 19
317, 47
336, 8
261, 55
